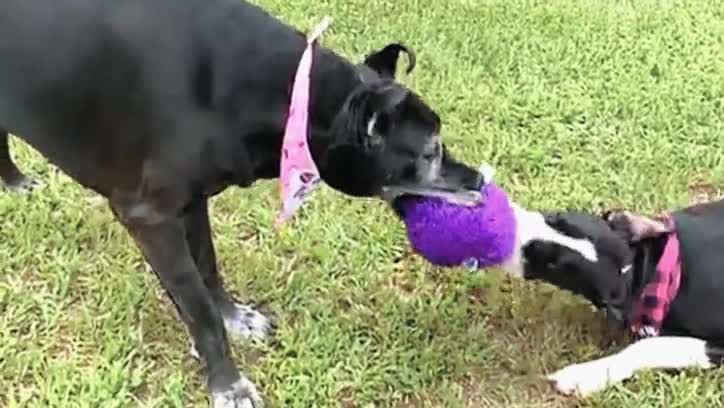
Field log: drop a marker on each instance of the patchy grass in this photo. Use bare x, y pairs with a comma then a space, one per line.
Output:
577, 103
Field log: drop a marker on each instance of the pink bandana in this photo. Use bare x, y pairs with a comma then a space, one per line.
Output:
658, 294
298, 174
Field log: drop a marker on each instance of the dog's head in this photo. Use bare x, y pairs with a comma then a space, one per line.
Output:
609, 281
385, 140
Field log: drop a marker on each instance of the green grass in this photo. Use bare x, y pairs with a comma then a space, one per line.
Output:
576, 103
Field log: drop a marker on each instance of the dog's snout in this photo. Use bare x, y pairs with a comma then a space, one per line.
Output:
458, 176
475, 181
470, 179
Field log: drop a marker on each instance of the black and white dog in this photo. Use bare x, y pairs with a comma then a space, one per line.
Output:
629, 250
159, 105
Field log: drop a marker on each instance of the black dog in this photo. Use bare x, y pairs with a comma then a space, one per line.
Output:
629, 248
159, 105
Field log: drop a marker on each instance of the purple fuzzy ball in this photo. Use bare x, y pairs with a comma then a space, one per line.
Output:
447, 234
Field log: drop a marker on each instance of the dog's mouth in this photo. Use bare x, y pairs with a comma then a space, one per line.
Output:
455, 196
457, 185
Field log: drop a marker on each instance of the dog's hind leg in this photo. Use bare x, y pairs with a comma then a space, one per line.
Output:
241, 321
13, 178
161, 236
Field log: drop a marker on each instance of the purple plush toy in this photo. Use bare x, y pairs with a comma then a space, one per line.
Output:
448, 234
491, 233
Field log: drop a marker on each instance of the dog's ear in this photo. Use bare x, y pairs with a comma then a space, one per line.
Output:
359, 132
366, 118
385, 99
381, 103
637, 227
384, 61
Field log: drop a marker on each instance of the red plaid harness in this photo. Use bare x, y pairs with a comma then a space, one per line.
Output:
657, 295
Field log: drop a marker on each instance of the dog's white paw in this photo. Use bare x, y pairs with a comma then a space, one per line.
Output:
245, 322
241, 322
587, 378
241, 394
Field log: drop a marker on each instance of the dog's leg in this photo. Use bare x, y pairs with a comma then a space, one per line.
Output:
241, 321
651, 353
13, 178
161, 239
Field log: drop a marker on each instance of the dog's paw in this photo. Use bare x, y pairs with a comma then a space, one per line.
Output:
244, 322
241, 394
23, 184
587, 378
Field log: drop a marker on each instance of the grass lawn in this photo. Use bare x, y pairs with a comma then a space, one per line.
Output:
576, 103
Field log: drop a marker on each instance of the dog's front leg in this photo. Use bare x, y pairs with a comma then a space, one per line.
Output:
241, 321
666, 352
162, 241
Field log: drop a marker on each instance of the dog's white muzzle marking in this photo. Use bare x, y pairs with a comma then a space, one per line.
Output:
532, 226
